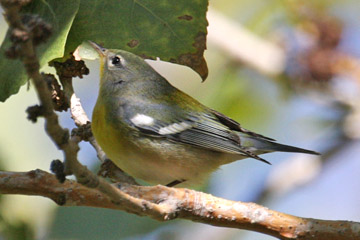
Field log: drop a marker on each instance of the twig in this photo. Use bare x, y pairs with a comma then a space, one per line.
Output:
181, 203
66, 71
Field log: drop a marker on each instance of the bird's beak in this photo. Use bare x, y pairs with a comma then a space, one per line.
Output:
99, 49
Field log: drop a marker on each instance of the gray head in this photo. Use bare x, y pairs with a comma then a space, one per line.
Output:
124, 73
119, 65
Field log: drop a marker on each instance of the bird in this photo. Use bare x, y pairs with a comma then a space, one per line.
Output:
157, 133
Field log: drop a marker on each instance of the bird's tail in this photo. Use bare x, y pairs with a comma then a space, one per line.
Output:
264, 146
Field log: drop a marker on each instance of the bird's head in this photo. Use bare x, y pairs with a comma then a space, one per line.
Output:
122, 66
122, 72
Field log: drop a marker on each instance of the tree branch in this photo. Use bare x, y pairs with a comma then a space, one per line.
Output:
66, 71
180, 203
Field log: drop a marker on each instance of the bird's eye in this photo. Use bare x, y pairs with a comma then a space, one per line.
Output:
116, 61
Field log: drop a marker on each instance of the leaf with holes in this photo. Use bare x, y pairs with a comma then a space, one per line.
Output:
161, 28
151, 29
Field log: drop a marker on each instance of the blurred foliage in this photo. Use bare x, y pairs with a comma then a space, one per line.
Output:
16, 231
262, 17
73, 223
239, 98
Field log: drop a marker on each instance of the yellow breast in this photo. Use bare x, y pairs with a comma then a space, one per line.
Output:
107, 136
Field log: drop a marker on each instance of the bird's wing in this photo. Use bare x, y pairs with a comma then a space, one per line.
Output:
203, 130
233, 125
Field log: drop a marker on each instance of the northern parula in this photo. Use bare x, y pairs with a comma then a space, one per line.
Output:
157, 133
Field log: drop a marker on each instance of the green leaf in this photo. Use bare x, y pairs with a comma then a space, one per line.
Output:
60, 14
174, 31
151, 29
